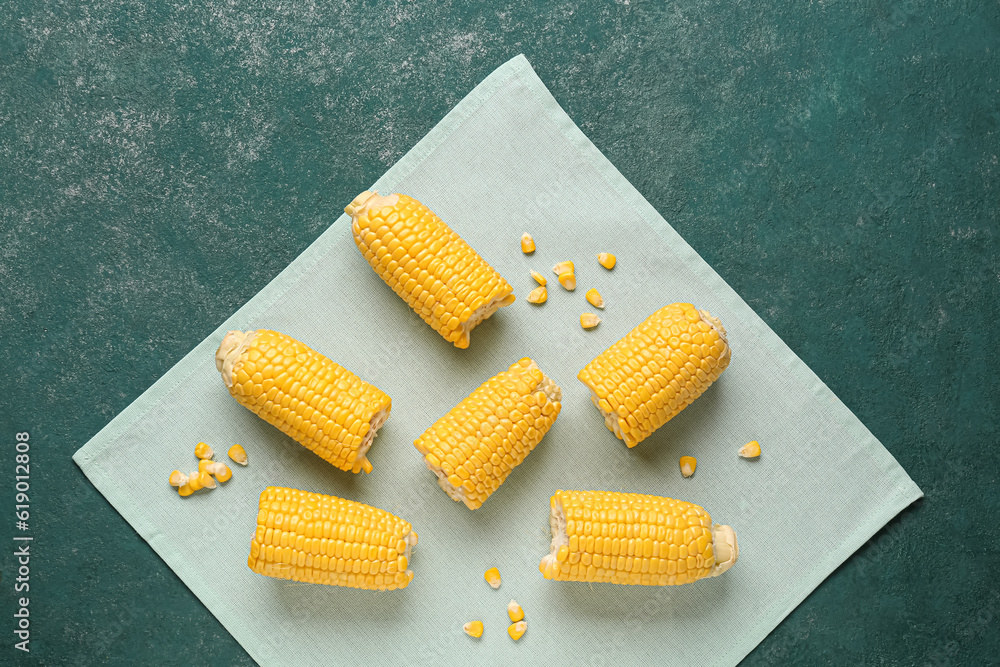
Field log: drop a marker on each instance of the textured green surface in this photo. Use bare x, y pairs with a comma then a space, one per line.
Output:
836, 163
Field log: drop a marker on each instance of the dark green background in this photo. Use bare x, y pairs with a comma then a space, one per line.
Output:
836, 162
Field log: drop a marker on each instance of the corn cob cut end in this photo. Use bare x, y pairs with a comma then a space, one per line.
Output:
617, 422
553, 395
369, 200
228, 361
723, 542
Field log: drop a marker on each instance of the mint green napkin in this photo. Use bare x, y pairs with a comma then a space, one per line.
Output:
508, 159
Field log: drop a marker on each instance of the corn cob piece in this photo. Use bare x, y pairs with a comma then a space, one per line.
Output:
480, 441
320, 539
427, 264
320, 404
631, 538
655, 371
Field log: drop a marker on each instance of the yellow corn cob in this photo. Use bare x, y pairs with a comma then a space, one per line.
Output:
320, 404
427, 264
478, 443
320, 539
631, 538
655, 371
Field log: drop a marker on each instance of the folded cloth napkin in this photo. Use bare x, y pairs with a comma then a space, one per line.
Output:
508, 159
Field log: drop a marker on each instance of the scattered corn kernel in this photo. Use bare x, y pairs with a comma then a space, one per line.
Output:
688, 465
589, 320
178, 479
203, 451
539, 278
607, 260
514, 611
568, 280
238, 454
563, 267
222, 472
594, 298
492, 577
538, 295
206, 465
751, 450
527, 243
184, 490
517, 630
206, 480
194, 480
473, 628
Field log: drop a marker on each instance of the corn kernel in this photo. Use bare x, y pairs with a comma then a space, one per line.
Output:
206, 465
184, 490
589, 320
473, 628
194, 480
517, 630
538, 295
563, 267
688, 465
238, 454
206, 480
203, 451
539, 278
514, 611
607, 260
594, 298
222, 472
527, 244
751, 450
492, 577
178, 479
568, 280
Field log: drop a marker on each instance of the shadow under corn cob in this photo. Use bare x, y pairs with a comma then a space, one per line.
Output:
323, 406
427, 264
656, 370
